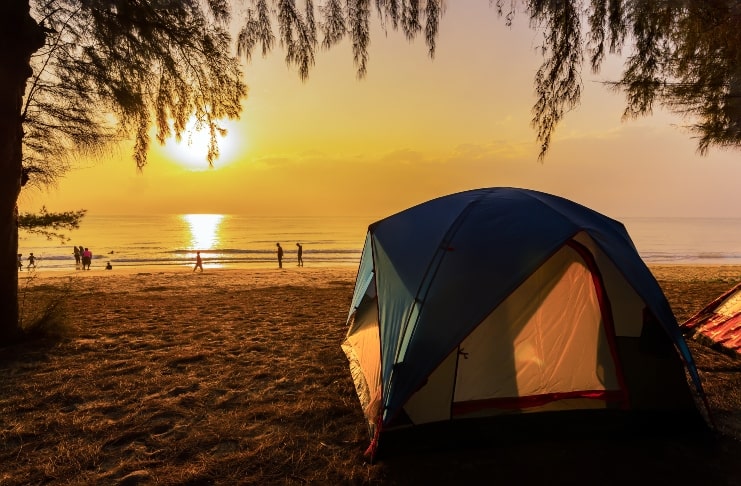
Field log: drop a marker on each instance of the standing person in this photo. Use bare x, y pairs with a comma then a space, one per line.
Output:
20, 262
31, 261
82, 259
280, 255
300, 255
199, 262
87, 258
76, 252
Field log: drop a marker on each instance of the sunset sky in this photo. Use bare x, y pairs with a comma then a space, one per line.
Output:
414, 129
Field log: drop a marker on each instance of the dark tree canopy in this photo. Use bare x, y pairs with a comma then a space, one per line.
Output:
683, 54
76, 75
117, 56
51, 224
112, 69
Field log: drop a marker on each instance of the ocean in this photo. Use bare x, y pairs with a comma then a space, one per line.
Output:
225, 241
234, 241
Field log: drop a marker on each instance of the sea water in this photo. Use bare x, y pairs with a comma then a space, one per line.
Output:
235, 241
225, 241
687, 240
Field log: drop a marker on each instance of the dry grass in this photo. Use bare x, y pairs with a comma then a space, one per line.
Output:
45, 319
216, 379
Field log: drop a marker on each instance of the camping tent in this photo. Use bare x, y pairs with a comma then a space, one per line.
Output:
502, 300
719, 323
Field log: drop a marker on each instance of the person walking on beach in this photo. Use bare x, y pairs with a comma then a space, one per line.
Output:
31, 261
280, 255
300, 255
76, 252
20, 262
199, 262
87, 258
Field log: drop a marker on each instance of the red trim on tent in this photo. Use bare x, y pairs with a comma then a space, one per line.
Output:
517, 403
372, 449
606, 310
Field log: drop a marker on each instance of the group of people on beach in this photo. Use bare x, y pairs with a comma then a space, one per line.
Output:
279, 252
31, 261
299, 255
83, 257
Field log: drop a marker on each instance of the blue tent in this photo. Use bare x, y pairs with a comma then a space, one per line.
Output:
505, 300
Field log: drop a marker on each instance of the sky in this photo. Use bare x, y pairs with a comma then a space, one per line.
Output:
413, 129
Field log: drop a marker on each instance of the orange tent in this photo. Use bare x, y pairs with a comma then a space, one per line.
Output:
719, 324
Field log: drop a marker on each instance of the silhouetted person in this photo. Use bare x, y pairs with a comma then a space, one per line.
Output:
108, 266
87, 258
300, 255
280, 255
31, 261
78, 256
199, 262
20, 262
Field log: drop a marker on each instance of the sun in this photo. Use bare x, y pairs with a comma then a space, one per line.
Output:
192, 150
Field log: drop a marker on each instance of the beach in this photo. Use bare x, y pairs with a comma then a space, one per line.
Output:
236, 376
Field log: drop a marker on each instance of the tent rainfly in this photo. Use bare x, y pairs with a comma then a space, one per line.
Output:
719, 323
508, 301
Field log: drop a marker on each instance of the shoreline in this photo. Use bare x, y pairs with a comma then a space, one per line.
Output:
128, 270
662, 271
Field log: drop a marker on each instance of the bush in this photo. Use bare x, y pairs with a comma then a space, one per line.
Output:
42, 311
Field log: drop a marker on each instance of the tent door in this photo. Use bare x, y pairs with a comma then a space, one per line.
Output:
546, 347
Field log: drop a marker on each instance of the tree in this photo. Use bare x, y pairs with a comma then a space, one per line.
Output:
140, 63
688, 57
20, 37
684, 55
50, 224
57, 121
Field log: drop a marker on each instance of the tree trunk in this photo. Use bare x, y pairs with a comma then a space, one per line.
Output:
20, 36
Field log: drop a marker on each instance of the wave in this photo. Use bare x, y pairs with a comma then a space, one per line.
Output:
241, 251
709, 257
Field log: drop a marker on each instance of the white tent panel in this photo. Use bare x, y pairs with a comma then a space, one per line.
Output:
546, 338
362, 349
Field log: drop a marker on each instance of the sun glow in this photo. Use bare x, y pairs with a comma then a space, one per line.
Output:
191, 151
204, 230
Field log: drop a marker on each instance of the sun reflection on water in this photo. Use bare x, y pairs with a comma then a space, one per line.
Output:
204, 230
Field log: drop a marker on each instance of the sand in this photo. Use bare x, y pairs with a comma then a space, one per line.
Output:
237, 377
